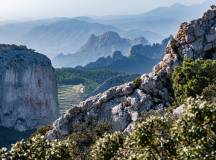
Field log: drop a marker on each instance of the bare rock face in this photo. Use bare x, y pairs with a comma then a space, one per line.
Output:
122, 105
28, 93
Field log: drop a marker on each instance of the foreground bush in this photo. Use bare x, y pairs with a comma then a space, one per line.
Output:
190, 136
192, 77
209, 93
106, 147
84, 135
37, 148
76, 146
195, 131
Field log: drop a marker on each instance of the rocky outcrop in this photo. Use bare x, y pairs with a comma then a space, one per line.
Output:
28, 94
122, 105
152, 51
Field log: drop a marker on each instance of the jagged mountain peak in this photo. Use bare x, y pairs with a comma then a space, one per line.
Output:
110, 35
106, 41
103, 40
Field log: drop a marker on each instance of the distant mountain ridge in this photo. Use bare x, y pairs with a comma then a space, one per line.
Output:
67, 35
64, 36
163, 20
140, 60
132, 64
98, 46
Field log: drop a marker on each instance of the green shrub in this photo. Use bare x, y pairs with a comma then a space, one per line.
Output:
41, 131
192, 77
37, 148
76, 146
106, 147
150, 139
164, 136
195, 131
209, 93
137, 82
84, 135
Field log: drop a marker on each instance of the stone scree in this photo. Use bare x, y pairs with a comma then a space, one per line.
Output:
122, 105
28, 92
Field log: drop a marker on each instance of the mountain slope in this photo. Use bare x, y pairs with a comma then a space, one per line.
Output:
13, 32
122, 105
152, 37
163, 20
141, 59
64, 36
52, 36
131, 64
94, 48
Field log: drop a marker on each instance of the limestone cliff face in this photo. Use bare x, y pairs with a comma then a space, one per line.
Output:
122, 105
28, 93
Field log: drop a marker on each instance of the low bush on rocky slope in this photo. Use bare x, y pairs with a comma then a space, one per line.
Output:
84, 135
76, 146
106, 147
192, 77
209, 93
190, 136
137, 82
37, 148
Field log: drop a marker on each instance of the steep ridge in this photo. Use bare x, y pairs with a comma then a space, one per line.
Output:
28, 93
122, 105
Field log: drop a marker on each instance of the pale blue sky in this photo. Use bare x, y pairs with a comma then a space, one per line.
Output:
17, 9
